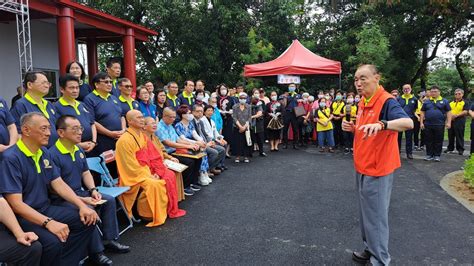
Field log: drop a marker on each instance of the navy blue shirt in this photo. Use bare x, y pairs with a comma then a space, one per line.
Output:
174, 104
24, 105
409, 105
80, 112
189, 101
20, 175
108, 113
126, 106
6, 119
392, 110
70, 167
435, 111
115, 88
292, 101
84, 90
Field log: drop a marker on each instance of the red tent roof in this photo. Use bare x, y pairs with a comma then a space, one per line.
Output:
296, 60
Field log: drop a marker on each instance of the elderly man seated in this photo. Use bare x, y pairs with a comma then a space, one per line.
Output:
150, 190
168, 136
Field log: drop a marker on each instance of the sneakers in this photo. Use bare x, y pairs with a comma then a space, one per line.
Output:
188, 191
460, 152
195, 187
246, 160
448, 151
208, 178
437, 159
203, 180
429, 158
347, 151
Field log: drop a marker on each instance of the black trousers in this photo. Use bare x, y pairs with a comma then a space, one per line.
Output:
191, 174
434, 136
408, 141
348, 139
240, 147
289, 117
15, 253
416, 132
338, 136
456, 134
259, 139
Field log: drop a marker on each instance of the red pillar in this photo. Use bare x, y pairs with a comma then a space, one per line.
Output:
66, 38
129, 59
92, 65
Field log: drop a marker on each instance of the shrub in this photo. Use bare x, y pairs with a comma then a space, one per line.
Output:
469, 171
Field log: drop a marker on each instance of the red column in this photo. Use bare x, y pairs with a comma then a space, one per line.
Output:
66, 38
92, 65
129, 59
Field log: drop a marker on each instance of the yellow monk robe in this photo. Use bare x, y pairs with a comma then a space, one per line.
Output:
153, 201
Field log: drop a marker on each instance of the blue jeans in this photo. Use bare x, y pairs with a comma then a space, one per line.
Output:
326, 136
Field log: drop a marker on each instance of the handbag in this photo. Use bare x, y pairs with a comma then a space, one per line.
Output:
248, 138
299, 111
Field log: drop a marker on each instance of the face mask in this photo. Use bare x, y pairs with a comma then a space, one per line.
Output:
256, 96
356, 100
327, 97
322, 105
274, 98
223, 92
338, 97
199, 97
350, 101
242, 101
189, 117
291, 89
320, 96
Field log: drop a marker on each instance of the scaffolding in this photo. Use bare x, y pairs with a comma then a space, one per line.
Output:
21, 9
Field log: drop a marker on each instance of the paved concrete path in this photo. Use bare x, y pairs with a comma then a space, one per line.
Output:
299, 207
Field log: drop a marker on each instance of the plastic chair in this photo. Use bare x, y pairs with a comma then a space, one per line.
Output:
109, 185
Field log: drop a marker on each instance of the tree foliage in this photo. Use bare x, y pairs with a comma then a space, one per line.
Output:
212, 40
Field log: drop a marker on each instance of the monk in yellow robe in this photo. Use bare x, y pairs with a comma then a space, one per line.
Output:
153, 200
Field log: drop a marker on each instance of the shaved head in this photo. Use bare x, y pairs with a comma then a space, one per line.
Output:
373, 68
132, 114
135, 119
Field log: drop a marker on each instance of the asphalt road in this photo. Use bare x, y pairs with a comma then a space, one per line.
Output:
299, 207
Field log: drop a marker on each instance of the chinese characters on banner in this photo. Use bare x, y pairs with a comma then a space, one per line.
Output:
288, 79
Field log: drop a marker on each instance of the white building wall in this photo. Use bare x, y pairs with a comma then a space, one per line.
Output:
44, 49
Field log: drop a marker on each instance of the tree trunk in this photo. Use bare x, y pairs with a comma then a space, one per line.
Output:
425, 59
458, 62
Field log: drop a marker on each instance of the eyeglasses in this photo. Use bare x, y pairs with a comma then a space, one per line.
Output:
75, 129
128, 86
106, 81
44, 83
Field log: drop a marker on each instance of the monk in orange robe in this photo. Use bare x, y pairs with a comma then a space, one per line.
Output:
153, 200
156, 156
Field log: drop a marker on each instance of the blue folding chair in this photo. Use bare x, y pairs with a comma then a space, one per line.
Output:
109, 185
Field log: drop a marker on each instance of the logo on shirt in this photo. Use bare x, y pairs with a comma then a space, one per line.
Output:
46, 164
85, 110
1, 105
52, 111
81, 155
115, 102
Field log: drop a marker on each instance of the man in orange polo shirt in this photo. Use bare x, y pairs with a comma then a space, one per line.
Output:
379, 119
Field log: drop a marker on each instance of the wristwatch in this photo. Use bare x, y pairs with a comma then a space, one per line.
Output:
384, 122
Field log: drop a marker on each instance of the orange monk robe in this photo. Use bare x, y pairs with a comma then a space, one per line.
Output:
153, 201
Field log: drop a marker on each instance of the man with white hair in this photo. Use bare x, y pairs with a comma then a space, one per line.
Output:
459, 109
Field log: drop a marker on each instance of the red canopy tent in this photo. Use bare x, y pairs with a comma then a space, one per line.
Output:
296, 60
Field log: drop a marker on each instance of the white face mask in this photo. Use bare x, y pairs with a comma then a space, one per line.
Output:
199, 97
189, 117
242, 101
223, 92
350, 101
256, 96
320, 96
274, 98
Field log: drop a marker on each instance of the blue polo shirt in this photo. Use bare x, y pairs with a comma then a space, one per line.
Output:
107, 112
166, 132
409, 104
6, 119
292, 101
392, 110
172, 102
435, 111
186, 99
84, 90
27, 105
127, 105
148, 110
28, 174
79, 111
70, 165
115, 88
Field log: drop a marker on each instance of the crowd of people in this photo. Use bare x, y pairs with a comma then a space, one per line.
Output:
47, 184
